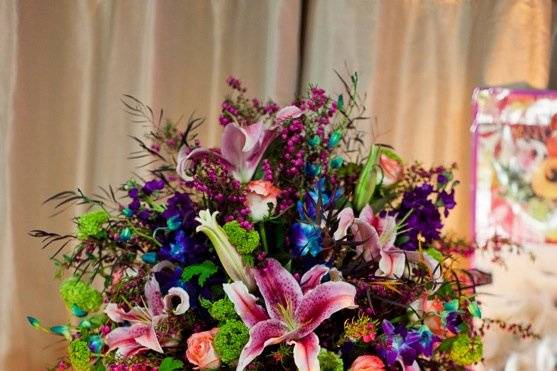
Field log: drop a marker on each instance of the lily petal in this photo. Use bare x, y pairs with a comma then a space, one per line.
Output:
149, 340
288, 112
367, 214
186, 160
154, 297
391, 264
118, 315
253, 134
368, 239
183, 306
263, 334
313, 277
345, 220
245, 303
279, 288
321, 302
234, 140
388, 228
306, 351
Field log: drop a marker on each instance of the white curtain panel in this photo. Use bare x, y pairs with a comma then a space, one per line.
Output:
65, 64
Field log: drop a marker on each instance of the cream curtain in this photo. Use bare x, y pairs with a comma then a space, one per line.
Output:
64, 65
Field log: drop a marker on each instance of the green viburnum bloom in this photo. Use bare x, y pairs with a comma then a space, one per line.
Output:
223, 310
330, 361
74, 291
91, 224
466, 351
230, 339
79, 355
244, 241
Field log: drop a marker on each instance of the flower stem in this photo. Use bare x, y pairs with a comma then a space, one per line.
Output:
263, 235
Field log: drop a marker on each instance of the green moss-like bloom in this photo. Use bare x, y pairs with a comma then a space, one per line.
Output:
91, 224
75, 291
79, 355
230, 339
223, 310
330, 361
466, 351
244, 241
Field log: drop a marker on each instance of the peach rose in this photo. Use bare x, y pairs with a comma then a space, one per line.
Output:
200, 350
260, 194
367, 363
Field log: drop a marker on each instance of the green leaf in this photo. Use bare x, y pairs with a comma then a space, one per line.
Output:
340, 102
435, 254
203, 271
171, 364
474, 309
446, 344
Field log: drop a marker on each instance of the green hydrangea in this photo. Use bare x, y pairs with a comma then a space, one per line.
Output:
330, 361
223, 310
75, 291
91, 224
244, 241
79, 355
230, 339
466, 351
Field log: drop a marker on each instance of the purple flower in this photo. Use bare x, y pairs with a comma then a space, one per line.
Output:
399, 344
152, 186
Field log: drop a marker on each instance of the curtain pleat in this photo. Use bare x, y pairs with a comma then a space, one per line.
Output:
65, 64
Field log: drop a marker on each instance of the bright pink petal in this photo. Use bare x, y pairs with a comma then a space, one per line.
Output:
306, 351
154, 297
263, 334
149, 340
321, 302
313, 277
123, 338
367, 238
345, 220
117, 314
392, 263
245, 303
367, 214
253, 134
279, 288
288, 112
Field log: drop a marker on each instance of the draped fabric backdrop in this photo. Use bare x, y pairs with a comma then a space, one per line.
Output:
65, 64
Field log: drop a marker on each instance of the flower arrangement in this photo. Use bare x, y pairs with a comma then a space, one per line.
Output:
286, 246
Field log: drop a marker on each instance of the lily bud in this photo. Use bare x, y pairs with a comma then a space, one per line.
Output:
230, 259
367, 180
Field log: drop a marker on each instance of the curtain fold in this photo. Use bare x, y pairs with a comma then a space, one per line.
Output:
65, 64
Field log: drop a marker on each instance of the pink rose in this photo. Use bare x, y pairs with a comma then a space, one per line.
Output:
367, 363
261, 193
200, 350
392, 169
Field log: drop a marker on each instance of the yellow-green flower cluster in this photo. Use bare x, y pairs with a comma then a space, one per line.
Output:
223, 310
79, 355
91, 224
230, 339
244, 241
74, 291
466, 351
330, 361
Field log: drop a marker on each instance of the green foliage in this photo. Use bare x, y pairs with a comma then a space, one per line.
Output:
230, 339
244, 241
223, 310
79, 355
74, 291
171, 364
330, 361
203, 271
91, 224
466, 351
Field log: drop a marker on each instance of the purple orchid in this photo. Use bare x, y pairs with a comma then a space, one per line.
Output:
293, 311
141, 335
400, 345
242, 147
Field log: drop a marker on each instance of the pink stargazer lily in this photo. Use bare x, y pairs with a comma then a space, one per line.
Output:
141, 335
242, 147
376, 237
293, 311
